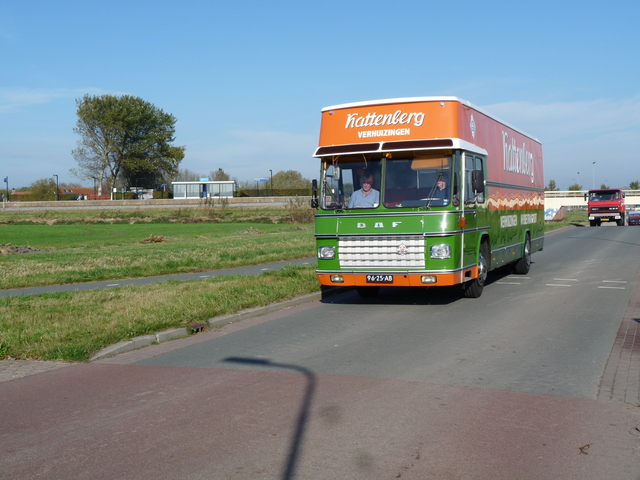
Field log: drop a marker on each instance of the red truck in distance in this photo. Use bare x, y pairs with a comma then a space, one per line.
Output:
606, 205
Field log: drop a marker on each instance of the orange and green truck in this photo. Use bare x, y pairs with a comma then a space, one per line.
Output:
424, 192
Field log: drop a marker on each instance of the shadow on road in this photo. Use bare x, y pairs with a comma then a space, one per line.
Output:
298, 435
414, 295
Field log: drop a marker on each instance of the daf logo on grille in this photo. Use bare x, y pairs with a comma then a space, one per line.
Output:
377, 225
402, 249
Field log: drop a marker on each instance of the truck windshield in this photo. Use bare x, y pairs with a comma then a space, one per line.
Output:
351, 184
603, 196
420, 181
423, 181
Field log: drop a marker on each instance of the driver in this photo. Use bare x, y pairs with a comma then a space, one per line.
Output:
367, 196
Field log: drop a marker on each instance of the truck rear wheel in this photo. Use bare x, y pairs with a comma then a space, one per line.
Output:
473, 288
523, 265
621, 222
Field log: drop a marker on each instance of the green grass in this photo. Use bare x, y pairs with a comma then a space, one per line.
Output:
86, 253
569, 220
72, 326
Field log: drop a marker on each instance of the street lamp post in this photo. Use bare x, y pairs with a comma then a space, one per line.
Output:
57, 188
593, 175
271, 181
6, 181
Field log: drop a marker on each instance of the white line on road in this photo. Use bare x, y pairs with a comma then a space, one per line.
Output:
615, 288
558, 285
508, 283
614, 281
113, 285
566, 279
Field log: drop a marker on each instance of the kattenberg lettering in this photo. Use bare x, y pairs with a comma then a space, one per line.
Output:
516, 159
354, 120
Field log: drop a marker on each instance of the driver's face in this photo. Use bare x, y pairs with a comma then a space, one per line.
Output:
366, 184
441, 184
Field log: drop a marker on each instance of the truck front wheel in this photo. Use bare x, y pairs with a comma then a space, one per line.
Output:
473, 288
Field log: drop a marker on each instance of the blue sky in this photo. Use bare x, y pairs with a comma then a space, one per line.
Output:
247, 79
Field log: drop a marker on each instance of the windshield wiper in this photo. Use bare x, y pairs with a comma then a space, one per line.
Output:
432, 192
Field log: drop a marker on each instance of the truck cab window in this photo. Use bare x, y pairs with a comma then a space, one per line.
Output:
472, 163
350, 183
423, 181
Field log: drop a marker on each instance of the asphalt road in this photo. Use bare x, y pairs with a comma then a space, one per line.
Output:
412, 384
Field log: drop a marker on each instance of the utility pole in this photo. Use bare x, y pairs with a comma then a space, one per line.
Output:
57, 188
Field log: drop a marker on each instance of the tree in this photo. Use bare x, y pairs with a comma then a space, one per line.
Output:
551, 187
575, 187
219, 175
604, 186
290, 179
185, 175
43, 190
124, 137
635, 185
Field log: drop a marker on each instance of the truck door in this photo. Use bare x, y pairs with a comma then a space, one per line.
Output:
473, 205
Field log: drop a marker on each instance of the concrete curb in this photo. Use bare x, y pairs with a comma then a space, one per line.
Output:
216, 322
138, 342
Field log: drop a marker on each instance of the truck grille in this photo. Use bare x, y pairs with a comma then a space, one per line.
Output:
604, 209
397, 251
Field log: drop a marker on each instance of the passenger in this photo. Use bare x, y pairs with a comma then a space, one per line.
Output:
367, 196
441, 192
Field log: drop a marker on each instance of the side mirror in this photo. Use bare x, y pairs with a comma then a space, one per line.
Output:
314, 193
477, 181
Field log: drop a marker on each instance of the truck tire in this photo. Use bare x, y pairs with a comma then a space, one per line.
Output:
621, 222
473, 288
523, 265
593, 223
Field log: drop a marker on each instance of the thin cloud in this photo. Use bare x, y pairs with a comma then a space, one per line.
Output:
19, 98
563, 121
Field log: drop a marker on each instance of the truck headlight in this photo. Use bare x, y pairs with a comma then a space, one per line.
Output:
327, 253
440, 251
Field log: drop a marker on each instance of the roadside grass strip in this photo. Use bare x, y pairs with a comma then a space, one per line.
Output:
71, 326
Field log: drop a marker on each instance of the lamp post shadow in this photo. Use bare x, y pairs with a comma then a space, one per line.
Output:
298, 435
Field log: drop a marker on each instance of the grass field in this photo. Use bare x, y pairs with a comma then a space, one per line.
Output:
80, 246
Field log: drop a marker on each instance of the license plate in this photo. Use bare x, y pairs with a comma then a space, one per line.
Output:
379, 278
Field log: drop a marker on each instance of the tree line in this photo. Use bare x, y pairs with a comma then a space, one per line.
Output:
552, 187
126, 141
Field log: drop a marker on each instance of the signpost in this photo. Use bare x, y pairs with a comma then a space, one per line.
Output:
258, 180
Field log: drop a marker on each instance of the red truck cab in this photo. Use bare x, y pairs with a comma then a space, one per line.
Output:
606, 205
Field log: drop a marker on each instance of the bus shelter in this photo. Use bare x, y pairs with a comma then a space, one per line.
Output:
204, 188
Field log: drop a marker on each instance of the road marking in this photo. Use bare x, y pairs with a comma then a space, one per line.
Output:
508, 283
558, 285
614, 281
204, 276
566, 279
113, 285
614, 288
